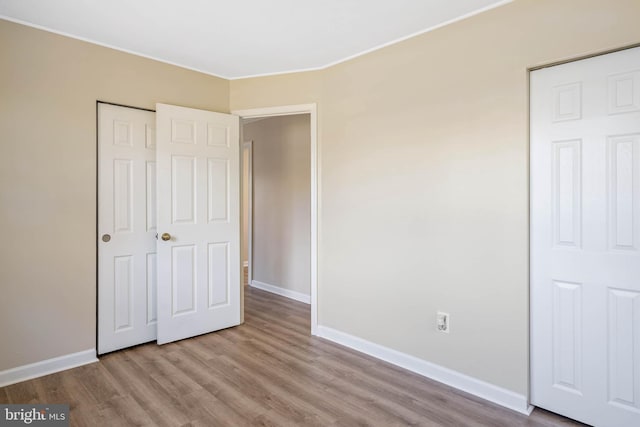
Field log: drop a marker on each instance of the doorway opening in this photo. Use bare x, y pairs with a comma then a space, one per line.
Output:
280, 221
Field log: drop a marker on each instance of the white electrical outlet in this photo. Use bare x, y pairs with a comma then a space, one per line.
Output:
442, 322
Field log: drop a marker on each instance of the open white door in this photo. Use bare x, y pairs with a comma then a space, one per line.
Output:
126, 227
585, 239
198, 222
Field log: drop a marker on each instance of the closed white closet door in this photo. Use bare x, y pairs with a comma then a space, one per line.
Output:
585, 239
198, 221
126, 227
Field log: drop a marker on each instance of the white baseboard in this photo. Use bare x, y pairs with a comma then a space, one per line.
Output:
46, 367
479, 388
245, 264
298, 296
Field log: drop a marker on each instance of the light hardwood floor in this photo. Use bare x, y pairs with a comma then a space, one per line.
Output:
268, 371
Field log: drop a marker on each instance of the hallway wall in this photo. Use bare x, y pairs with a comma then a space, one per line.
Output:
281, 201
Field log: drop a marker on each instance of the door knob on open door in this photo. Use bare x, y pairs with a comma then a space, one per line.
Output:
165, 236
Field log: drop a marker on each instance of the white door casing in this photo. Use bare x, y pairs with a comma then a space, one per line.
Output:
247, 153
199, 268
585, 239
127, 219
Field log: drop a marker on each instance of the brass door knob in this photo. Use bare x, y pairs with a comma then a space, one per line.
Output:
106, 238
165, 236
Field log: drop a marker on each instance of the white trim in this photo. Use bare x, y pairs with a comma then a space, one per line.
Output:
474, 386
310, 109
288, 293
46, 367
280, 110
274, 73
249, 263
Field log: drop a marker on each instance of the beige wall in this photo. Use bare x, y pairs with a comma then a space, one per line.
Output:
281, 201
424, 179
48, 90
283, 89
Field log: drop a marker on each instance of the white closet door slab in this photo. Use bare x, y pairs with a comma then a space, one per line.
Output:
126, 227
585, 239
199, 208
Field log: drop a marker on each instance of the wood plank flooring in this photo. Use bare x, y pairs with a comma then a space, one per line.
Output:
268, 371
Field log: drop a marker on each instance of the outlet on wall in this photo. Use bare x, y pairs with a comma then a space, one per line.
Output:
442, 322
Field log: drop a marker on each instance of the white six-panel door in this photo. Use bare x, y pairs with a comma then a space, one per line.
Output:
199, 216
585, 239
196, 206
126, 227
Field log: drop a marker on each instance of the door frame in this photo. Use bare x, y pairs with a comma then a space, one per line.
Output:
287, 110
249, 146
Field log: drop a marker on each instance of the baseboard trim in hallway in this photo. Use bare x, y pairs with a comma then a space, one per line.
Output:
476, 387
298, 296
46, 367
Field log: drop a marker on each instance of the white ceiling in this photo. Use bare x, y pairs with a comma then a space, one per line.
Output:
241, 38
